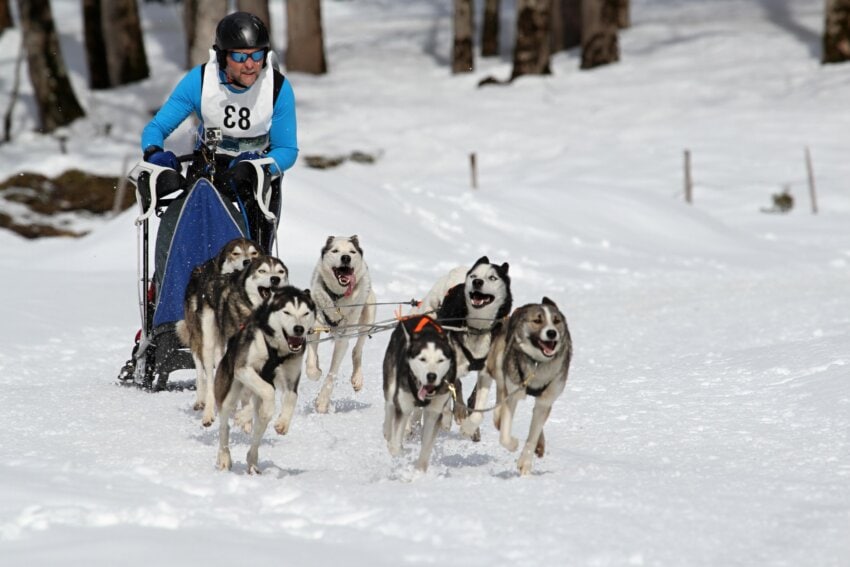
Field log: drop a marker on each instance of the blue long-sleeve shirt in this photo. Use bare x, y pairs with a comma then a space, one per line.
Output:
185, 99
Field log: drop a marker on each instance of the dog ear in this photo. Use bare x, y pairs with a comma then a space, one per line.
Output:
327, 245
307, 292
481, 260
504, 268
355, 240
547, 301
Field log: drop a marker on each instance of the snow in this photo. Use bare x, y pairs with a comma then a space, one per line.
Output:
706, 417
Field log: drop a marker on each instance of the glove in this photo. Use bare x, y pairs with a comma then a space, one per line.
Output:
157, 156
244, 156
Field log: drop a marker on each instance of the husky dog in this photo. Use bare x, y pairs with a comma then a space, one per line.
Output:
204, 283
264, 355
230, 301
419, 367
342, 290
473, 311
531, 357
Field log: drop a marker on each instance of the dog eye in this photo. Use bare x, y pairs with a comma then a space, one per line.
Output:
493, 278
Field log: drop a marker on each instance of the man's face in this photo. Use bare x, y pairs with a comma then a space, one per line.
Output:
246, 72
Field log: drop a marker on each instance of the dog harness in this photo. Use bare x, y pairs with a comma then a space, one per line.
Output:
274, 360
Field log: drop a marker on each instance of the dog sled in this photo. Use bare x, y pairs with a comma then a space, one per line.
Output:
196, 218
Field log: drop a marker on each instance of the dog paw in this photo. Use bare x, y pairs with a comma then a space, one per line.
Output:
357, 382
207, 420
322, 404
524, 466
252, 459
314, 373
224, 463
476, 437
511, 444
421, 466
468, 427
281, 427
395, 450
198, 406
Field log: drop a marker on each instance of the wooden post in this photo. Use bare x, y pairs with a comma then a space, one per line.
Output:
689, 187
474, 167
811, 176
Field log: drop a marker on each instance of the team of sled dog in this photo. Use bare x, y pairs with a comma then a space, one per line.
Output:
249, 331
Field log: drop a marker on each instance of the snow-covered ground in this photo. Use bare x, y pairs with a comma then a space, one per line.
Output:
707, 416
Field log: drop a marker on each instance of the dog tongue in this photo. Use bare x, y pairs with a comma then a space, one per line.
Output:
352, 280
422, 394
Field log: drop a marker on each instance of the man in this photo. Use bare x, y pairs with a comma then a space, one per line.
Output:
252, 104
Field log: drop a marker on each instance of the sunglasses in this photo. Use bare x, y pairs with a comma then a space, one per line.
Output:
240, 57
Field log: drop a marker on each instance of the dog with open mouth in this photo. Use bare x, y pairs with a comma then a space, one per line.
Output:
342, 289
228, 302
419, 368
264, 356
530, 357
472, 310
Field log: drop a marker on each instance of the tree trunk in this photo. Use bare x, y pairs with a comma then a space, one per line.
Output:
836, 33
462, 55
566, 25
95, 45
259, 8
305, 42
599, 33
57, 104
531, 53
490, 29
624, 20
125, 46
200, 27
6, 20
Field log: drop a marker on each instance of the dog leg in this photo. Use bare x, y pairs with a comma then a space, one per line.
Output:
429, 435
287, 410
263, 413
541, 446
244, 417
313, 370
538, 417
324, 399
200, 382
414, 422
367, 317
507, 440
482, 389
224, 462
389, 411
210, 355
399, 422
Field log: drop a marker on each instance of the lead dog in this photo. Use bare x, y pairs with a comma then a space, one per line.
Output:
472, 310
264, 356
419, 368
228, 303
342, 289
531, 357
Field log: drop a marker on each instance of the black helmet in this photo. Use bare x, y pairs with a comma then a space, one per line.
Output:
240, 30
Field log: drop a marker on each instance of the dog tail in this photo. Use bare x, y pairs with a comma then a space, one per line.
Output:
183, 333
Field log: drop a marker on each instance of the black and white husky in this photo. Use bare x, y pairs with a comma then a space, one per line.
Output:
419, 367
342, 289
227, 303
263, 356
472, 310
531, 356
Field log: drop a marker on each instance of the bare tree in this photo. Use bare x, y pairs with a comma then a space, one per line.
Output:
623, 18
531, 52
490, 29
305, 42
55, 99
200, 27
95, 45
566, 25
599, 44
836, 33
122, 32
259, 8
6, 20
464, 26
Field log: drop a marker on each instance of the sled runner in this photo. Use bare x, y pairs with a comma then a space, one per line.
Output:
197, 217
